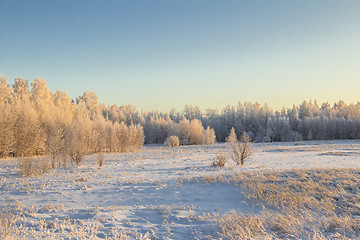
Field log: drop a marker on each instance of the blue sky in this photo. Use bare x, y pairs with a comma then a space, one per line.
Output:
164, 54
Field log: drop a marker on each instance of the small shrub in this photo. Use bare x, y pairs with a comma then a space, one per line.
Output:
100, 158
241, 149
219, 161
57, 160
34, 167
172, 141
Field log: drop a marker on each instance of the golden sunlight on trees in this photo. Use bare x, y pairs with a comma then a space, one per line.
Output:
39, 122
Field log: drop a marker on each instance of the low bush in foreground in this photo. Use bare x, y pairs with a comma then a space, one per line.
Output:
34, 166
298, 204
172, 141
220, 161
240, 149
100, 158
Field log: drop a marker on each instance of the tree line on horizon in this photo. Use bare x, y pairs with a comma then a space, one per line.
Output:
39, 122
307, 121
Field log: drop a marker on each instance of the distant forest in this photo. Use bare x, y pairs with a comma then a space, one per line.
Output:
39, 122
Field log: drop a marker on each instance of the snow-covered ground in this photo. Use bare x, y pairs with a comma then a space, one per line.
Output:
156, 193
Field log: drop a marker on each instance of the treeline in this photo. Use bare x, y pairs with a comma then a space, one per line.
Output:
39, 122
307, 121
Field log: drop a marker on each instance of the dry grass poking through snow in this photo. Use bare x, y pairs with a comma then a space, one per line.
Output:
220, 161
13, 226
100, 159
298, 204
10, 218
34, 166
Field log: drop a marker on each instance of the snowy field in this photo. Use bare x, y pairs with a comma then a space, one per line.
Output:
158, 193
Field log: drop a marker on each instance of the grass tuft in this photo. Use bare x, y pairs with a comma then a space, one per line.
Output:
220, 161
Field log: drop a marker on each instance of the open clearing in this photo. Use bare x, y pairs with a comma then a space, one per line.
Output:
175, 193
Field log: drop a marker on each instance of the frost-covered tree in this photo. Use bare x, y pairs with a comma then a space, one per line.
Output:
29, 135
240, 149
122, 133
192, 112
172, 141
21, 90
6, 118
232, 136
77, 136
99, 135
40, 94
196, 132
157, 129
112, 140
135, 138
90, 101
209, 135
7, 138
5, 90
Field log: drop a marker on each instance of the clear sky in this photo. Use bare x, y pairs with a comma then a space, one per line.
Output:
167, 53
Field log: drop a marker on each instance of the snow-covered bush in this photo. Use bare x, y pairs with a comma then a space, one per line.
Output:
241, 149
34, 167
220, 161
100, 159
172, 141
